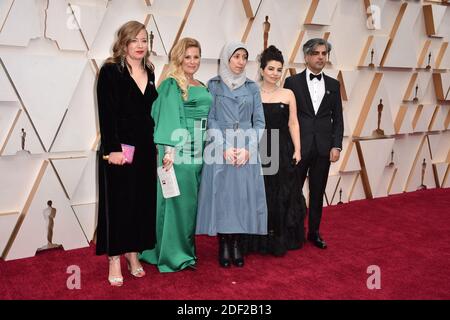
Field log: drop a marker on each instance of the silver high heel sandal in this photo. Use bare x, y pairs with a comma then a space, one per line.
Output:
138, 272
115, 281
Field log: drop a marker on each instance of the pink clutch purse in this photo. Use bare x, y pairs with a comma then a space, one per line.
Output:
128, 152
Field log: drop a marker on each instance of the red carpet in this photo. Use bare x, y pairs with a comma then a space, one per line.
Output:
407, 236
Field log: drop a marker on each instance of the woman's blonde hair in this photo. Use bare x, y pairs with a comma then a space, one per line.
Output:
125, 35
176, 59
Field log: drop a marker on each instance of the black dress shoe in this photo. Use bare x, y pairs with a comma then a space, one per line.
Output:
236, 254
224, 251
317, 241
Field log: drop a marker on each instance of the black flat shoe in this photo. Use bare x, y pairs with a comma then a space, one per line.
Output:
237, 257
238, 262
224, 263
317, 241
224, 251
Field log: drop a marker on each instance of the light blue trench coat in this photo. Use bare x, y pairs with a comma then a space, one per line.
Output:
232, 199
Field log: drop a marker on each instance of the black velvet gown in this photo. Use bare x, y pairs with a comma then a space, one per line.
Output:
285, 201
127, 194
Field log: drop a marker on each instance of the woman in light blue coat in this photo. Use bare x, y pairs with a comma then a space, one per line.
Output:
232, 197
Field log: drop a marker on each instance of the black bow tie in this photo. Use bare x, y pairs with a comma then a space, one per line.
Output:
318, 76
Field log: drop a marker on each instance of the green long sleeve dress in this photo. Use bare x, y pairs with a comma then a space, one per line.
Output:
180, 124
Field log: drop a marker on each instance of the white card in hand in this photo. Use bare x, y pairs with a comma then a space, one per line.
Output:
168, 181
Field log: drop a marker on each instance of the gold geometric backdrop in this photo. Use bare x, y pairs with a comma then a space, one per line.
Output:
391, 58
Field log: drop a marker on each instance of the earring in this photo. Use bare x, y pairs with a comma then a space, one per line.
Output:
144, 61
122, 61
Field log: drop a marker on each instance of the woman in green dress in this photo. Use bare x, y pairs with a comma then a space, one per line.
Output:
180, 114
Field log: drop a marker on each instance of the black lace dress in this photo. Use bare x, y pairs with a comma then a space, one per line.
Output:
285, 202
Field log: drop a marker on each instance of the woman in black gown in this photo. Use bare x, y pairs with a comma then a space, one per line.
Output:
285, 201
127, 191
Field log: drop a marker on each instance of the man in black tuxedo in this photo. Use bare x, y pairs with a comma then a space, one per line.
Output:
319, 111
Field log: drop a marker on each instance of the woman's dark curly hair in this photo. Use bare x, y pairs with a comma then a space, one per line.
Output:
269, 54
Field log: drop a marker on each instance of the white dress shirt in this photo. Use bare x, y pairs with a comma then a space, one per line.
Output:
316, 90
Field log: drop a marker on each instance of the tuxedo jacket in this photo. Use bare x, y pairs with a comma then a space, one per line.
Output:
326, 128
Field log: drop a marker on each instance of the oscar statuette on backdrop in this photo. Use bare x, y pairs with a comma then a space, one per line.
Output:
266, 28
152, 38
371, 64
49, 218
340, 197
378, 132
428, 67
23, 137
424, 167
416, 99
391, 164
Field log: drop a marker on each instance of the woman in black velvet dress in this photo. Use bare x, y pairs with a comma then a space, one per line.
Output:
285, 202
127, 191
